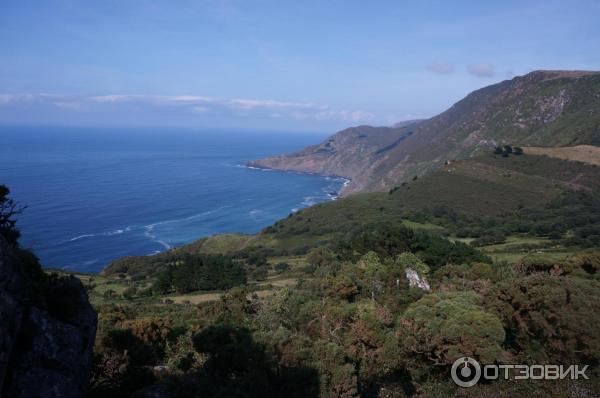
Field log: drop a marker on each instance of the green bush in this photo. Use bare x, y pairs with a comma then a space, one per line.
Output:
550, 318
448, 326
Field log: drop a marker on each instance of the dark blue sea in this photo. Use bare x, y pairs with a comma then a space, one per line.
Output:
94, 195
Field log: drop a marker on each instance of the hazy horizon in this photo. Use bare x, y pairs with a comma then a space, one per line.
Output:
314, 66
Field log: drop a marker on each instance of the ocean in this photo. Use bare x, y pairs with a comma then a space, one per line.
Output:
96, 194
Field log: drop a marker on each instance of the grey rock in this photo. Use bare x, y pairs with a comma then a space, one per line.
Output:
46, 340
415, 280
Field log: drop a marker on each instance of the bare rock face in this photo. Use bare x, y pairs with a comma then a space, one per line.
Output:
415, 280
46, 336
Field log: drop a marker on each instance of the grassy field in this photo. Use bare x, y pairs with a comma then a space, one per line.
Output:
581, 153
516, 247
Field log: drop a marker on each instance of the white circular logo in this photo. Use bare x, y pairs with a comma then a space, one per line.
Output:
466, 372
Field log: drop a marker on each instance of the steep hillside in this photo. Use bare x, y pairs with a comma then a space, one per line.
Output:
351, 153
483, 186
542, 108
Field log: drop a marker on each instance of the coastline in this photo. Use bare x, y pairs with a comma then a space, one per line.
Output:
340, 193
333, 195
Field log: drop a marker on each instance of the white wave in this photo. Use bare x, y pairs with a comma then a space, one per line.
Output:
81, 237
309, 200
108, 233
163, 243
152, 237
117, 231
192, 217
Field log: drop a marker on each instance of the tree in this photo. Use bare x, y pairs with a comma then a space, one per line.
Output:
8, 209
410, 260
200, 272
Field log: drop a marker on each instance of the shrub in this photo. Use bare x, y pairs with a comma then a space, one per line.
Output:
281, 267
447, 326
550, 318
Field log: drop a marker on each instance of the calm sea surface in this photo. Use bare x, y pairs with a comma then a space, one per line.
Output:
94, 195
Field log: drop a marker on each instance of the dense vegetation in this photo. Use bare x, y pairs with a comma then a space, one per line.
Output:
353, 326
571, 219
350, 324
192, 273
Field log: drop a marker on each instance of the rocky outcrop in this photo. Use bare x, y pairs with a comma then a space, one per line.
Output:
47, 333
415, 280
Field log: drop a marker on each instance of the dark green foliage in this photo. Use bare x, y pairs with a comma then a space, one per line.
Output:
355, 328
281, 267
573, 218
448, 326
119, 339
320, 257
193, 273
239, 366
260, 273
230, 350
493, 238
34, 279
8, 209
389, 241
550, 318
124, 367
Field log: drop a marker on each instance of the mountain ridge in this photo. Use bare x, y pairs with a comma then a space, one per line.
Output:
542, 108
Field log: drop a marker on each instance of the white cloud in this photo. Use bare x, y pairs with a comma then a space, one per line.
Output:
441, 67
26, 97
481, 70
72, 106
200, 109
195, 104
270, 104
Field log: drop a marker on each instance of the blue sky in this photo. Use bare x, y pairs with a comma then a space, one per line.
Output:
286, 65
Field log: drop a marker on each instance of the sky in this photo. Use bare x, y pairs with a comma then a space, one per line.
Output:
274, 65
